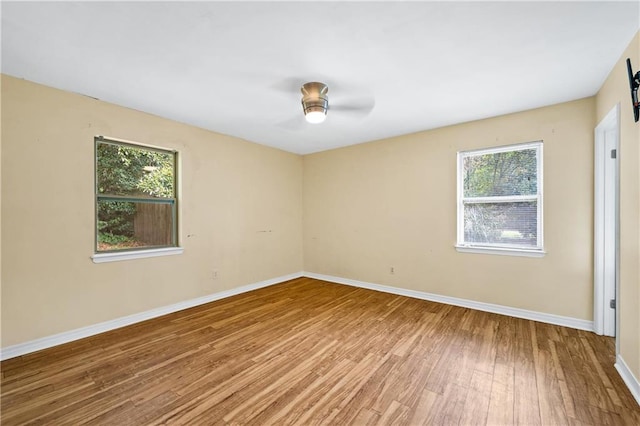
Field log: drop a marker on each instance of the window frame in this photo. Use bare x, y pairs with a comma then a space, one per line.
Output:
498, 248
136, 252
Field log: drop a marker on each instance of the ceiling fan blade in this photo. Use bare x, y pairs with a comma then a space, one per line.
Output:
288, 86
360, 107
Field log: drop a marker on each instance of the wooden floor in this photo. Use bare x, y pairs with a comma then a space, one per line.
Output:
310, 352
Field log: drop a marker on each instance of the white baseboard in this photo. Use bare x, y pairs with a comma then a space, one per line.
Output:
91, 330
630, 380
579, 324
46, 342
80, 333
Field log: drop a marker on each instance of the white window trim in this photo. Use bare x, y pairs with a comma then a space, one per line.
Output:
465, 247
501, 251
135, 254
117, 256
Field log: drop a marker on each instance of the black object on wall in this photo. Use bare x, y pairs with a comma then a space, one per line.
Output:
634, 83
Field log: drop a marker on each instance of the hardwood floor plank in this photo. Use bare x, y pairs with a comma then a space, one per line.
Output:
303, 397
371, 391
572, 368
366, 417
501, 403
252, 406
501, 399
447, 408
339, 396
308, 352
567, 397
549, 394
395, 414
424, 406
526, 403
476, 405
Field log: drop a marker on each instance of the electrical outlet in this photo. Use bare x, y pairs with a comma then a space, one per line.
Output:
392, 270
214, 274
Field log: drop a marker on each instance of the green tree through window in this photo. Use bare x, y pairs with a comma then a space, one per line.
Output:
501, 174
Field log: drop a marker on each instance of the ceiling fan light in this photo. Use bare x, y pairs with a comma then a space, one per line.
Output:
315, 115
315, 101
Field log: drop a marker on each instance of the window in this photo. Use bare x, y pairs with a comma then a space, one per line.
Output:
500, 200
135, 199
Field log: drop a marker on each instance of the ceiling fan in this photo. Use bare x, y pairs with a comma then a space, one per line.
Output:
315, 102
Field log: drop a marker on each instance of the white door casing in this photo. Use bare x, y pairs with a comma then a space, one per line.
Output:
606, 220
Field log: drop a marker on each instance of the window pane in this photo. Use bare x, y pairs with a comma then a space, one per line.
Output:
512, 224
501, 174
127, 224
126, 170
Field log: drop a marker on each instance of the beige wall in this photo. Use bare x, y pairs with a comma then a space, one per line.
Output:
231, 190
392, 203
366, 208
615, 91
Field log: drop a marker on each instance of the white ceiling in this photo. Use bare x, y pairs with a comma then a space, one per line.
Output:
236, 68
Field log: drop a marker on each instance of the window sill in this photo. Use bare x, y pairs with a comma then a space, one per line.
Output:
137, 254
501, 251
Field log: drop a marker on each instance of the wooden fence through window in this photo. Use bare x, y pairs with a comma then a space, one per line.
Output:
152, 224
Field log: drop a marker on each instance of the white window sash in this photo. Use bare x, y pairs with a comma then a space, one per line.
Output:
140, 252
538, 198
501, 199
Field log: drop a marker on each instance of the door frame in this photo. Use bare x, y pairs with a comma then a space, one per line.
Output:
602, 324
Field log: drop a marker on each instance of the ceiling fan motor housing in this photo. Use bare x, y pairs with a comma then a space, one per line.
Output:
314, 97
